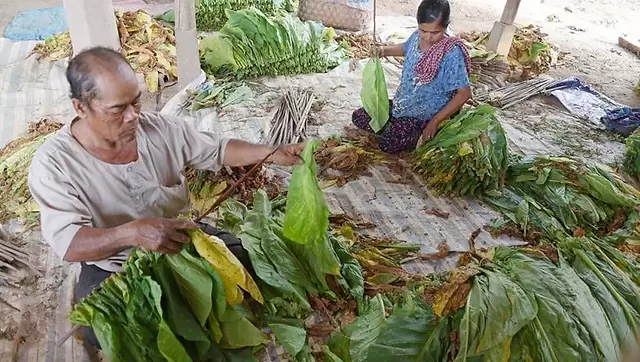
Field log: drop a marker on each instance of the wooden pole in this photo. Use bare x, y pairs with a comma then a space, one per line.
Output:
510, 12
504, 30
186, 42
91, 23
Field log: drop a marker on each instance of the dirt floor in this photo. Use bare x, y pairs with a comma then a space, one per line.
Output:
586, 32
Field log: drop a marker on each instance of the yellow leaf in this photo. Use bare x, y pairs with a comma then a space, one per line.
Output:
162, 61
453, 295
151, 79
231, 271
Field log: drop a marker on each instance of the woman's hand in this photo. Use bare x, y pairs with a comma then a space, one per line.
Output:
376, 51
287, 155
430, 130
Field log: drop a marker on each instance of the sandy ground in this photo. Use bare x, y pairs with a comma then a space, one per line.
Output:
585, 31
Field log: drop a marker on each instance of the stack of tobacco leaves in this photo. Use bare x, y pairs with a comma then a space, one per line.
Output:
210, 94
468, 155
252, 44
508, 304
211, 15
560, 196
180, 307
15, 160
149, 46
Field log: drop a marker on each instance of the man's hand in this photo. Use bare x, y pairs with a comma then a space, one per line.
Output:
287, 155
430, 130
161, 235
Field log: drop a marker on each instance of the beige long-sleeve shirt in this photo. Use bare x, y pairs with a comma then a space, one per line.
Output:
75, 189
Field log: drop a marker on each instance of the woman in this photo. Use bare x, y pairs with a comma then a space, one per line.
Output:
434, 84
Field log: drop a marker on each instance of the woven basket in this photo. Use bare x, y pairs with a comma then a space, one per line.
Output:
336, 14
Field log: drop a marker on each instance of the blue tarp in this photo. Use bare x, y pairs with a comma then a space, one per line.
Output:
36, 24
586, 103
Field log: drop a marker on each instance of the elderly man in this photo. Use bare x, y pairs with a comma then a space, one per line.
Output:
112, 179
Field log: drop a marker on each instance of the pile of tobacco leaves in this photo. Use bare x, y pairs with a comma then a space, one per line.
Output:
468, 155
148, 45
211, 15
252, 44
530, 54
15, 160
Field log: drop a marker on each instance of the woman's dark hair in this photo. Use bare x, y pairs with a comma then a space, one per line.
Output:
432, 10
84, 68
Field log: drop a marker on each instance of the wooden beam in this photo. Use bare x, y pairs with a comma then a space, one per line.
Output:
91, 23
186, 42
504, 30
510, 12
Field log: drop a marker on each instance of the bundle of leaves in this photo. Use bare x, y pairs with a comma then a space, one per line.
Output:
148, 45
632, 153
292, 252
637, 88
530, 54
217, 95
211, 15
15, 161
180, 307
518, 304
252, 44
295, 258
561, 196
468, 155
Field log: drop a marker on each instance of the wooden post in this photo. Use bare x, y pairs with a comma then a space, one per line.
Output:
91, 23
186, 42
504, 30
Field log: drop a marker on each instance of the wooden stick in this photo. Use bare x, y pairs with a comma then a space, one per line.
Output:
68, 335
225, 195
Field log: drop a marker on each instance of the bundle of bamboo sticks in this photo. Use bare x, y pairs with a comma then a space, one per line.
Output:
511, 95
11, 259
289, 124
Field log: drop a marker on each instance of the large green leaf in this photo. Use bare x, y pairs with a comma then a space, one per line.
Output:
238, 332
374, 94
412, 333
556, 333
365, 330
307, 214
176, 310
194, 283
497, 309
169, 345
256, 229
292, 338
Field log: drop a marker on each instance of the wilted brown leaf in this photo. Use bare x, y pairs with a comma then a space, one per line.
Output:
453, 295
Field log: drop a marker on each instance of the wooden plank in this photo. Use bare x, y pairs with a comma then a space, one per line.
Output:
186, 42
630, 45
510, 12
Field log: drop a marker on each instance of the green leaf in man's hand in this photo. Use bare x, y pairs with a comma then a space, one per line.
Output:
307, 214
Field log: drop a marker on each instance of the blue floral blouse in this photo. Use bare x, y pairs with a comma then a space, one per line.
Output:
423, 101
